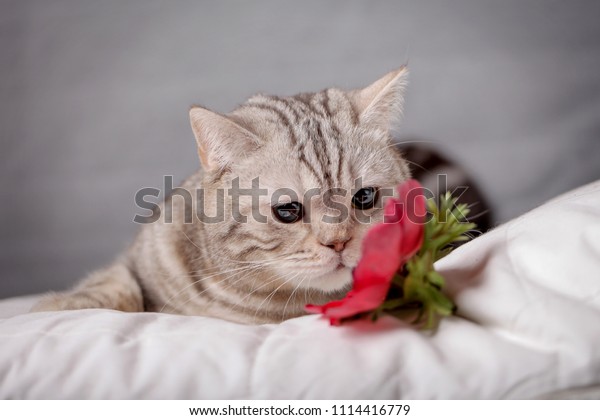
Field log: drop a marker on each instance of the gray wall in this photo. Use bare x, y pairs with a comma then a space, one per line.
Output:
94, 100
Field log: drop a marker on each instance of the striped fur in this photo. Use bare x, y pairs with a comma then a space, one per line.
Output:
252, 272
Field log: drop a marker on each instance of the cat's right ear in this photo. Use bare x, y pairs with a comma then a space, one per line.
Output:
220, 140
380, 104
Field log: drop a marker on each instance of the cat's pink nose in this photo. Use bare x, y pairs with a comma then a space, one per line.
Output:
338, 246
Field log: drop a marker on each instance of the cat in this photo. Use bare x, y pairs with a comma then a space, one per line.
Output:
303, 246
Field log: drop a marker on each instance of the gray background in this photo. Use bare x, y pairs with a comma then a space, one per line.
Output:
95, 94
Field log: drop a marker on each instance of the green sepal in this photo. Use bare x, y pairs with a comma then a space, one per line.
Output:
418, 285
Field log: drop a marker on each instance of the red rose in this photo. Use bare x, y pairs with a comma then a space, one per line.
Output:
386, 248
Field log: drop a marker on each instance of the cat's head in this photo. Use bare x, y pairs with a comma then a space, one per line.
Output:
321, 165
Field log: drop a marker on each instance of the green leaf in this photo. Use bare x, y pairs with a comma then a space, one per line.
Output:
436, 278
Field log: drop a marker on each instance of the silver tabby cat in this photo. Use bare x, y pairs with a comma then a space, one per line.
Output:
256, 270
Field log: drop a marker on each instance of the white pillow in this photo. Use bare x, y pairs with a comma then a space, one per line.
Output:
528, 325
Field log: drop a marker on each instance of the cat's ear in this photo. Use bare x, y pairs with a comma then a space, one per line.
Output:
220, 140
380, 104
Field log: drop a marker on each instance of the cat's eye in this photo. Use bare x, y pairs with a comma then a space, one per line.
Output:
288, 212
365, 198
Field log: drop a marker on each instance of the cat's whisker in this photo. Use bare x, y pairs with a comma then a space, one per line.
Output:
481, 213
384, 150
290, 298
242, 271
276, 259
202, 273
259, 265
399, 143
306, 290
238, 270
270, 280
418, 165
293, 279
272, 294
216, 284
190, 239
250, 270
473, 233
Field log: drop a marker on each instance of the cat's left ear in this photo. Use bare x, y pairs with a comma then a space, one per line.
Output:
221, 140
380, 104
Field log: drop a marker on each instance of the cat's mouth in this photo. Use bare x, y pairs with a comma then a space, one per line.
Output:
340, 266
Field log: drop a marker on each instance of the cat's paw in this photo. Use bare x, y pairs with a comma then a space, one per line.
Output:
53, 302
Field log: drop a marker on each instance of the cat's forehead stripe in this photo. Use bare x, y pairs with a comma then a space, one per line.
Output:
305, 162
283, 118
310, 124
306, 100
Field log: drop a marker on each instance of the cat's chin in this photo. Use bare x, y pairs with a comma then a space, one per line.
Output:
336, 280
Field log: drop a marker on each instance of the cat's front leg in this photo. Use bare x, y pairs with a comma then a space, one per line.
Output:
112, 288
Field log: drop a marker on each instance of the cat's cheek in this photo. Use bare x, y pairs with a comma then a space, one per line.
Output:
351, 255
334, 281
350, 259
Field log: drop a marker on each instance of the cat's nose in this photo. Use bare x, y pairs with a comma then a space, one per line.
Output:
338, 246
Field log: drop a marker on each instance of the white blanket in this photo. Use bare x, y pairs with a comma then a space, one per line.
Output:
528, 325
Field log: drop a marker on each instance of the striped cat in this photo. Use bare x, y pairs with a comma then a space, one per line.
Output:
261, 258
